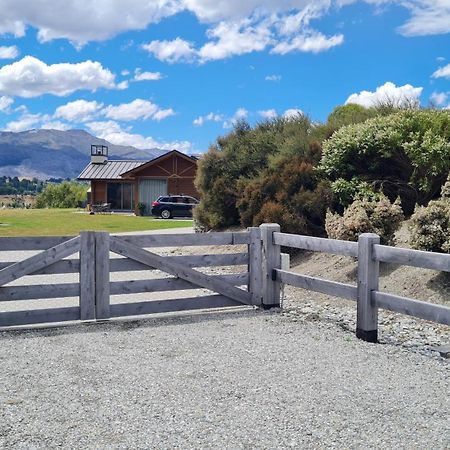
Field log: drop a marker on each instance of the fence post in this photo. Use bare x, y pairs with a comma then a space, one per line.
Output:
255, 265
368, 274
102, 304
271, 259
87, 275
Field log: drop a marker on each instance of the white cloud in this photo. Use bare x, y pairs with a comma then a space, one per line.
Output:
313, 41
439, 98
10, 52
83, 21
273, 78
442, 72
234, 39
292, 113
31, 77
146, 76
5, 103
112, 132
78, 110
137, 109
211, 117
55, 125
25, 122
177, 50
268, 114
399, 96
240, 114
125, 72
428, 17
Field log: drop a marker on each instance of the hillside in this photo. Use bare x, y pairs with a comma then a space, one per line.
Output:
56, 154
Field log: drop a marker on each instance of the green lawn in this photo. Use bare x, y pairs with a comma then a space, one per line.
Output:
47, 222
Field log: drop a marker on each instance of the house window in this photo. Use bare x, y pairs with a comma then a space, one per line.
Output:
120, 195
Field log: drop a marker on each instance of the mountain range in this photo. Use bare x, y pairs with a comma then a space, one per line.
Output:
57, 154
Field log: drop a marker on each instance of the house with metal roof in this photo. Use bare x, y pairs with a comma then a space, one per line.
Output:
123, 184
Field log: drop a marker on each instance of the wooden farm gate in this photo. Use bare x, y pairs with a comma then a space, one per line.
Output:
95, 256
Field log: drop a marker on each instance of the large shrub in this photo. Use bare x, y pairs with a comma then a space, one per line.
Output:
270, 163
430, 225
404, 154
67, 194
290, 194
366, 216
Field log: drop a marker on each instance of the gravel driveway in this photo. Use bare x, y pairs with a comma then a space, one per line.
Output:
250, 379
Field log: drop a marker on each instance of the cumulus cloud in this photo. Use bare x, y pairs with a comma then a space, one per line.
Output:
55, 125
10, 52
292, 113
439, 98
313, 41
30, 77
137, 109
442, 72
5, 103
211, 117
78, 110
428, 17
81, 22
234, 39
240, 114
273, 78
397, 95
146, 76
112, 132
25, 122
177, 50
268, 114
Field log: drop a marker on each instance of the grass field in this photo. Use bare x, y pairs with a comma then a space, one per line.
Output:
47, 222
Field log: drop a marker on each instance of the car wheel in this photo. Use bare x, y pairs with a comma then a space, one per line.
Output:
166, 214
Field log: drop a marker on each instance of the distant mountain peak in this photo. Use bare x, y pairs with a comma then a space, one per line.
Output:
57, 153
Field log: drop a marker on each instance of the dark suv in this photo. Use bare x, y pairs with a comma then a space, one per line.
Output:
168, 206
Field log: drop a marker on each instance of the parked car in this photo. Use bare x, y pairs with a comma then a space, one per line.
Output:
167, 206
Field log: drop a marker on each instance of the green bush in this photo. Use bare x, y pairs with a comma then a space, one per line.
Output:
241, 172
430, 225
366, 216
404, 154
68, 194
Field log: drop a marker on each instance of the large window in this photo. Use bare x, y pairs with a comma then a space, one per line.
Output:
120, 195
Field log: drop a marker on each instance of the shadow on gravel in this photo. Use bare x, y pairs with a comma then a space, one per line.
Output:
127, 324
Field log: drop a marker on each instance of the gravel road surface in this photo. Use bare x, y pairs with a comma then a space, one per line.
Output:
247, 379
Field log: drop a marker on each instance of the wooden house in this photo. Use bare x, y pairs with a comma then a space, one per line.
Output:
124, 184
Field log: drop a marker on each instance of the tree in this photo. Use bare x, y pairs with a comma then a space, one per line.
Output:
63, 195
404, 154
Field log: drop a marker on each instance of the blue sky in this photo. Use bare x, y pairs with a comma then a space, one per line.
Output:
178, 73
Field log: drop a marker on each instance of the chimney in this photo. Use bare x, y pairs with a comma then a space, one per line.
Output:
99, 154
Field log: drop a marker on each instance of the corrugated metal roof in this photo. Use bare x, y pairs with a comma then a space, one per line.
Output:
111, 170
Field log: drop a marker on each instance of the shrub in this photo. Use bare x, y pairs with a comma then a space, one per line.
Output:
366, 216
249, 167
430, 225
404, 154
64, 195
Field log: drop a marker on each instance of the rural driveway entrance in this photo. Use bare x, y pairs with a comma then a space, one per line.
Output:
225, 381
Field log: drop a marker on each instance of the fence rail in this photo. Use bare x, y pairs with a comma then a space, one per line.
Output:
259, 285
369, 299
94, 256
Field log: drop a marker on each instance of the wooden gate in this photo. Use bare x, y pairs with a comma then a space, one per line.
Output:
102, 257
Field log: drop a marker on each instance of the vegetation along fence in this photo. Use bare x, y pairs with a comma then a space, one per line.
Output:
98, 255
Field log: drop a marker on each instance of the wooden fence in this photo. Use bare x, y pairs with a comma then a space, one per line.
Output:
366, 293
92, 260
259, 285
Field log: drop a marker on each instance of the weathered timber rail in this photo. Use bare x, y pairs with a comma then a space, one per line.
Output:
259, 285
366, 293
90, 256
